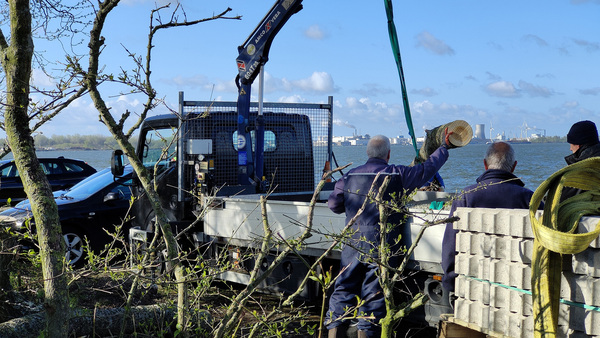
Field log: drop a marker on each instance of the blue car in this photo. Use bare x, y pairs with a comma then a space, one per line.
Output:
87, 209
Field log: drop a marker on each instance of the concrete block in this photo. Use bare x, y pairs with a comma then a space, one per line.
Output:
592, 322
564, 315
587, 224
500, 247
463, 242
499, 320
461, 286
580, 288
519, 326
508, 222
499, 297
576, 316
520, 275
521, 250
587, 262
580, 319
495, 246
520, 303
461, 309
495, 270
466, 264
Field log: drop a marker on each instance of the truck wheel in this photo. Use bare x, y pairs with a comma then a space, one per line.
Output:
75, 248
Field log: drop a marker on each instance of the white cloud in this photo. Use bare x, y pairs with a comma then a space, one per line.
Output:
81, 117
317, 82
535, 91
40, 79
589, 46
202, 82
314, 32
535, 39
501, 89
433, 44
590, 91
292, 99
427, 91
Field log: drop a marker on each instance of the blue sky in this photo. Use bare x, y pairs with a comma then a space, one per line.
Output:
499, 63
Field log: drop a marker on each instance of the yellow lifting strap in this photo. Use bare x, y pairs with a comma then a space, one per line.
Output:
554, 235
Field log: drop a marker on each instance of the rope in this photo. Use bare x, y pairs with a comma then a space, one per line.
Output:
554, 235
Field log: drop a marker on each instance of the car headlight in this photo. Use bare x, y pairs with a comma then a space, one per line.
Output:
17, 222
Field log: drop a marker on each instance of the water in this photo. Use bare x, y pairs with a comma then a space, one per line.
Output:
535, 161
99, 159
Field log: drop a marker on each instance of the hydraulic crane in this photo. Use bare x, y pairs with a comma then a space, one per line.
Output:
253, 54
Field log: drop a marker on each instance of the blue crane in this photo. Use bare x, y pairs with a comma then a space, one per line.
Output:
253, 54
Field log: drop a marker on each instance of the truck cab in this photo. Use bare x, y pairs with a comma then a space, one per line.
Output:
194, 154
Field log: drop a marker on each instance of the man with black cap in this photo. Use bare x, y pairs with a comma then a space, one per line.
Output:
584, 143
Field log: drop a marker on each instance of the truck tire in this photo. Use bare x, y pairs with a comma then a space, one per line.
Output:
75, 246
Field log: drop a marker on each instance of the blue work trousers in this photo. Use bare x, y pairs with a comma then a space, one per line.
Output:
359, 278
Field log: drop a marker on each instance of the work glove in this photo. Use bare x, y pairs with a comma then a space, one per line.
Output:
447, 144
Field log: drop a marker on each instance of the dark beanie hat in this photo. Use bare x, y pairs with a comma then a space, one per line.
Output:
583, 132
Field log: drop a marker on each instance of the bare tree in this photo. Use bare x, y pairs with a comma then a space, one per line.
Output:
141, 83
16, 63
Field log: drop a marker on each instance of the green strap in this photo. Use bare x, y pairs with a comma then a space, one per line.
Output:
396, 49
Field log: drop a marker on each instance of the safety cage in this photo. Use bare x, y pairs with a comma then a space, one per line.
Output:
297, 141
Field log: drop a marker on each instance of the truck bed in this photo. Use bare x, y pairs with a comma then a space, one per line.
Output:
237, 221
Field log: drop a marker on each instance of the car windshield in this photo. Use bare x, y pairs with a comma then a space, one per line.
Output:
92, 184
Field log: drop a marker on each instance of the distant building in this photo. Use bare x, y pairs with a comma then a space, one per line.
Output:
355, 140
479, 131
400, 140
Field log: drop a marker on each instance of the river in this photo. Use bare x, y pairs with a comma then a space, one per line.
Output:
536, 161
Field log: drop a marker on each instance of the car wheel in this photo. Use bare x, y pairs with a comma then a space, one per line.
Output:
74, 243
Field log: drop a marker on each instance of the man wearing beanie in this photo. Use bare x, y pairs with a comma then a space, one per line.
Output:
584, 143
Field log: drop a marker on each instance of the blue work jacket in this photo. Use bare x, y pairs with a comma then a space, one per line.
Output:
350, 191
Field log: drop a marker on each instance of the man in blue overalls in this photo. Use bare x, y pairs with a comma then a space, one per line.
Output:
358, 276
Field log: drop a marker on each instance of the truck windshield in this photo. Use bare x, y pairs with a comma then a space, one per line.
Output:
159, 146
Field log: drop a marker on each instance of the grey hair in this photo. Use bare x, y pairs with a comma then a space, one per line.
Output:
500, 155
378, 147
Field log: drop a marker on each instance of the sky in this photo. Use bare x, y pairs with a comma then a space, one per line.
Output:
518, 67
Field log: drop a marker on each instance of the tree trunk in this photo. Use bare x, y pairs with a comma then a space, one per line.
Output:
8, 242
101, 322
16, 62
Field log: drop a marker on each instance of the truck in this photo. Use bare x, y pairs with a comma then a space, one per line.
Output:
195, 153
213, 161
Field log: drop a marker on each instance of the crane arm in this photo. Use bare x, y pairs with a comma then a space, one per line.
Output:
253, 54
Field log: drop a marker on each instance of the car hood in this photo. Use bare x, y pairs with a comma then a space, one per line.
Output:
23, 208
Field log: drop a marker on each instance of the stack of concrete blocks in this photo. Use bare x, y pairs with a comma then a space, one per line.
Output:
494, 248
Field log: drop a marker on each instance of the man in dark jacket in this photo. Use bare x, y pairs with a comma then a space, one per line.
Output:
358, 276
497, 187
583, 141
